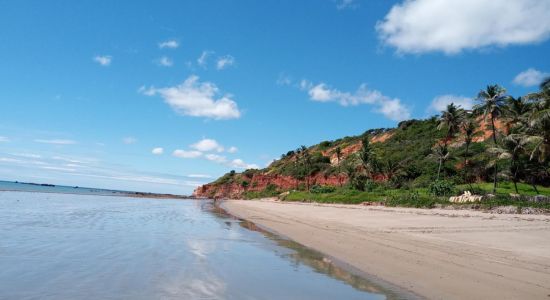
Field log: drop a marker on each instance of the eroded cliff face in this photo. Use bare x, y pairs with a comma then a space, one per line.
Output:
259, 182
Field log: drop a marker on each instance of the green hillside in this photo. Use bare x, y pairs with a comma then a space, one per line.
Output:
501, 147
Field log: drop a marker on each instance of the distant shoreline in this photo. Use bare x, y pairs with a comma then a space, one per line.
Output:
16, 186
434, 253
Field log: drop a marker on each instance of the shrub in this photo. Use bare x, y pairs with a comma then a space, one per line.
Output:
441, 188
324, 145
322, 189
412, 199
359, 182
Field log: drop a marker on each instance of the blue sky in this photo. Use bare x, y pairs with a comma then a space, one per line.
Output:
165, 96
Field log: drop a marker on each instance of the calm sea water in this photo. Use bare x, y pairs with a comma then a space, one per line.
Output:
63, 246
32, 187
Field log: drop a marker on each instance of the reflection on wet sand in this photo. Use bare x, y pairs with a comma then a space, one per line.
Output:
60, 246
311, 258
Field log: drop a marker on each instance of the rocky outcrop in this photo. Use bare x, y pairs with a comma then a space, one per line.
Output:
465, 198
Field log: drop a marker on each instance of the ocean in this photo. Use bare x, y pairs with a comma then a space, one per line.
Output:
58, 245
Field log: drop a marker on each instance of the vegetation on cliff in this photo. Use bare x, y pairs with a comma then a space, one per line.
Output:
501, 146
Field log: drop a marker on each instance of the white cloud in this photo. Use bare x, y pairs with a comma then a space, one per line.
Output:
235, 163
391, 108
157, 151
186, 154
440, 103
104, 60
224, 62
58, 169
27, 155
129, 140
232, 149
216, 158
203, 58
165, 61
530, 77
240, 164
199, 176
172, 44
146, 91
345, 4
4, 139
197, 99
451, 26
206, 145
80, 160
56, 142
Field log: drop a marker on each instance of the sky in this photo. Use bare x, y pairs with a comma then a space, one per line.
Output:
164, 96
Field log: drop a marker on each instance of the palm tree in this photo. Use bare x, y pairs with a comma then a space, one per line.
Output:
338, 152
451, 118
539, 122
350, 167
441, 154
516, 112
470, 129
306, 160
391, 168
513, 147
366, 156
491, 106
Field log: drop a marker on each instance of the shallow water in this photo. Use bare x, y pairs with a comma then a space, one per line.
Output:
59, 246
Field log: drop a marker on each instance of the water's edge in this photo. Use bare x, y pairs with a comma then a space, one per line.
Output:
392, 291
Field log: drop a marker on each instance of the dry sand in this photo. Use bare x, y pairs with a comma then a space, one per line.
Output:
437, 254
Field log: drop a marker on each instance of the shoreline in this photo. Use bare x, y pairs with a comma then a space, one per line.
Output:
432, 253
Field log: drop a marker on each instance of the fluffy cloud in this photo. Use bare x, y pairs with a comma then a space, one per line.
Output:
530, 77
240, 164
129, 140
224, 62
186, 154
157, 151
232, 149
104, 60
171, 44
197, 99
165, 61
56, 142
4, 139
451, 26
206, 145
440, 103
391, 108
216, 158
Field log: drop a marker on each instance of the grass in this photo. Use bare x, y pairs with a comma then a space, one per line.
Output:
508, 188
421, 197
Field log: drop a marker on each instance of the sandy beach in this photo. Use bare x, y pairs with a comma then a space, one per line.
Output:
435, 254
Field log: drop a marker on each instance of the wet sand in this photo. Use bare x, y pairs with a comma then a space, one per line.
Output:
437, 254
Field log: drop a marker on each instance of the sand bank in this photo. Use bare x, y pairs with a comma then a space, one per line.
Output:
437, 254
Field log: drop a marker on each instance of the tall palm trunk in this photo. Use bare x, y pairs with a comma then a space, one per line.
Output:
496, 162
466, 167
439, 168
534, 186
515, 176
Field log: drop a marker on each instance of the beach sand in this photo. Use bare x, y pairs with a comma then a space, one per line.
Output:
436, 254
